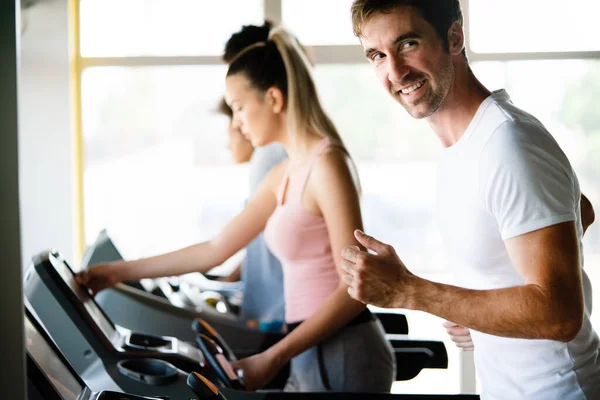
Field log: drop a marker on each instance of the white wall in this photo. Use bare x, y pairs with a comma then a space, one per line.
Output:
45, 134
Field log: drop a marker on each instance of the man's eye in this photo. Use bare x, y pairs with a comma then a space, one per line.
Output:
408, 45
377, 56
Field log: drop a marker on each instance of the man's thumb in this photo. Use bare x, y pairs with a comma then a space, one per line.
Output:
369, 242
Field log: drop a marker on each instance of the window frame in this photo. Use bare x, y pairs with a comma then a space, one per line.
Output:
324, 54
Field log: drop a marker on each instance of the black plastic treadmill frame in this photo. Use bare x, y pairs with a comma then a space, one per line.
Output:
124, 367
37, 324
45, 268
76, 311
39, 381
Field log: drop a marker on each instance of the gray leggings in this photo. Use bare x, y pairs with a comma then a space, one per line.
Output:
358, 358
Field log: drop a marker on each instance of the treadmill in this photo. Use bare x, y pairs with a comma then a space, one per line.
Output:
149, 306
51, 377
49, 374
111, 362
105, 355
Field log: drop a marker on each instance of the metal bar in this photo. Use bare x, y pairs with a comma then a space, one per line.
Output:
534, 56
86, 62
273, 10
77, 127
343, 54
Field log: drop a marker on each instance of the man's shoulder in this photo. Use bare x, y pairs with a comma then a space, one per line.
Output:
511, 128
520, 143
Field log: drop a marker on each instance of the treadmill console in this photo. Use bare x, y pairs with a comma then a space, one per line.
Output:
52, 267
80, 294
51, 372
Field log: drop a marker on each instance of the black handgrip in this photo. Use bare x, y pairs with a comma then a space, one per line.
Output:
204, 328
202, 387
219, 363
393, 323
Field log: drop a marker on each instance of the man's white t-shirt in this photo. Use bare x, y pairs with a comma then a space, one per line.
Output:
505, 177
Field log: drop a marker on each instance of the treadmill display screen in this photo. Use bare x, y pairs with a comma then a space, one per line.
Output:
86, 299
53, 367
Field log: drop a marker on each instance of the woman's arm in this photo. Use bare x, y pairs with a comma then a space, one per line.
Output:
332, 191
199, 257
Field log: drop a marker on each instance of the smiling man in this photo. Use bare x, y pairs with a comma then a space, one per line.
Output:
509, 208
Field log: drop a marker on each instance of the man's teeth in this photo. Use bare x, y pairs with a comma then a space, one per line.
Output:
412, 88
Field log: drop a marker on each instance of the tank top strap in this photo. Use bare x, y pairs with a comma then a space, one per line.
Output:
317, 151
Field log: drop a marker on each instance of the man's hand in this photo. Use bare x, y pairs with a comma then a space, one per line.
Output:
460, 335
380, 279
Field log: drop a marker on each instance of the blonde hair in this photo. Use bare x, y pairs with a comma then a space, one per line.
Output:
304, 110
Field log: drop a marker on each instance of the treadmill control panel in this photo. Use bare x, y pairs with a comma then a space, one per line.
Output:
82, 293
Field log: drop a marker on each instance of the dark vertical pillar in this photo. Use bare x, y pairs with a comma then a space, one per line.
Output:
12, 366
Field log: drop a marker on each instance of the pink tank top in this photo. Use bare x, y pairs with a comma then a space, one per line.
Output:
301, 242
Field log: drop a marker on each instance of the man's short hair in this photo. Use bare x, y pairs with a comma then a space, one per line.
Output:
440, 14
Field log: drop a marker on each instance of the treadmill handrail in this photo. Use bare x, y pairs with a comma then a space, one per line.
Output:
439, 360
166, 305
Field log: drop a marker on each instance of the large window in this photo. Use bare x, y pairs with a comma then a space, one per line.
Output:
319, 22
154, 154
157, 174
516, 26
116, 28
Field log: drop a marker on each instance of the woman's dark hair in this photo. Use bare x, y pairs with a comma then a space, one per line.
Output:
248, 35
263, 65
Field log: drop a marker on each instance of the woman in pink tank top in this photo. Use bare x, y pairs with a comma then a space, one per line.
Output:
309, 208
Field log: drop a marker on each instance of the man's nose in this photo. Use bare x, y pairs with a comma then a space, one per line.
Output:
398, 70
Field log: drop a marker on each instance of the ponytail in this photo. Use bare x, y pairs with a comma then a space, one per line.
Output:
281, 62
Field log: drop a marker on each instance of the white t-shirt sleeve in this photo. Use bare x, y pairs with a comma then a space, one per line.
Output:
525, 179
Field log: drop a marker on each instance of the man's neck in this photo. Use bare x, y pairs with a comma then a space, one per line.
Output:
455, 114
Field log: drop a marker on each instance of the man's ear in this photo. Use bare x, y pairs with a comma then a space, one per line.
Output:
275, 98
456, 39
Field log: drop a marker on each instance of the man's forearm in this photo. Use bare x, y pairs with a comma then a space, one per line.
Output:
518, 312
